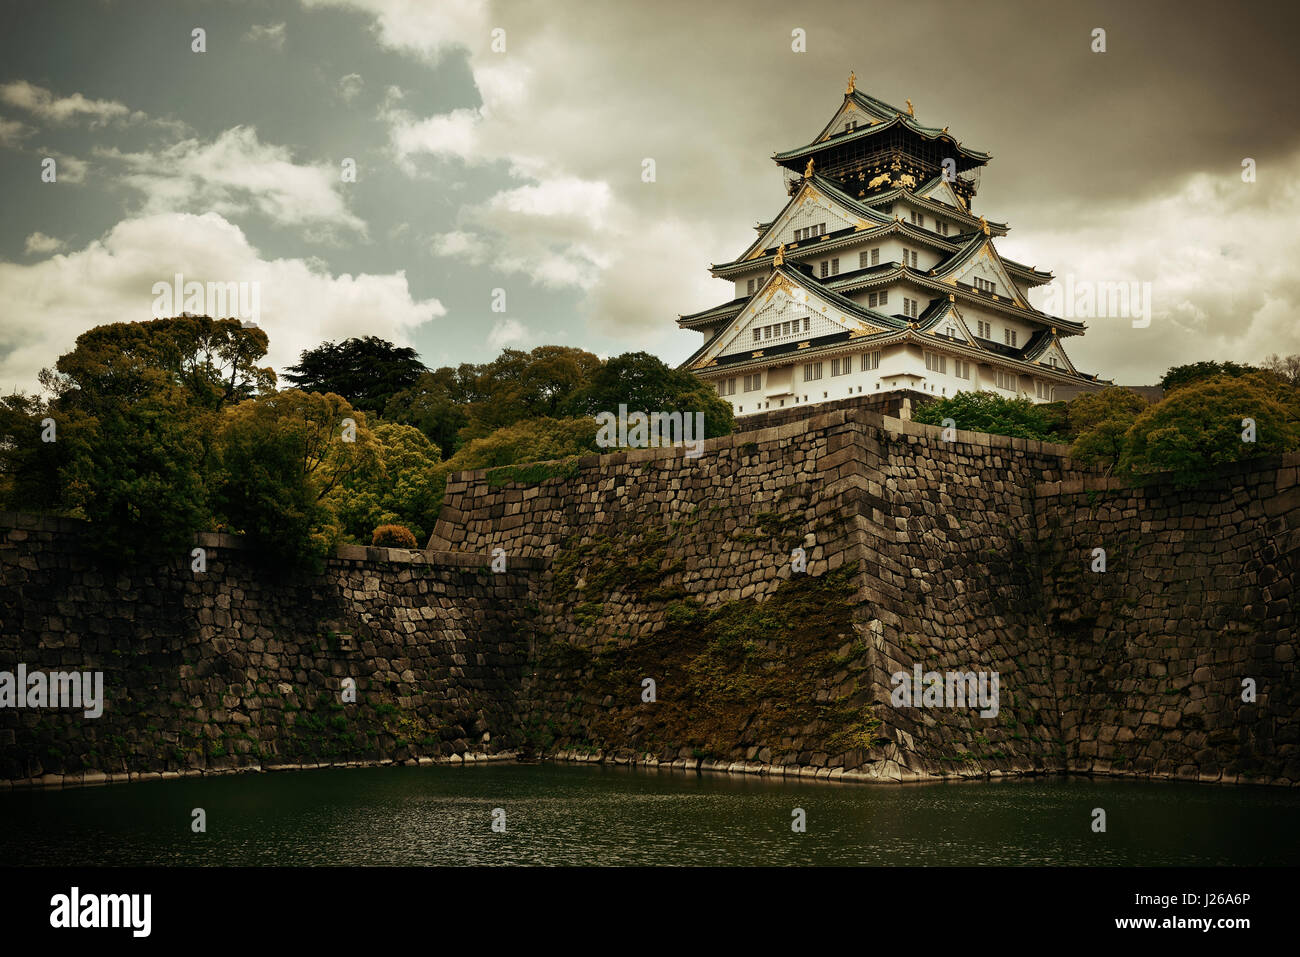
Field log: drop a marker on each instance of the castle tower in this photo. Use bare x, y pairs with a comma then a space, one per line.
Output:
878, 276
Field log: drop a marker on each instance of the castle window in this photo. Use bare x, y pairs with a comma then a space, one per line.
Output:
961, 369
941, 228
754, 382
1007, 381
870, 361
935, 362
985, 330
842, 366
805, 324
826, 267
758, 333
812, 371
910, 307
749, 287
917, 218
984, 285
1009, 336
835, 267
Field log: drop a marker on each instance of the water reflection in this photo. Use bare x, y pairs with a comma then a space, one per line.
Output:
559, 814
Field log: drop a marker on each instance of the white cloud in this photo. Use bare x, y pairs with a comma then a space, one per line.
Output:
1218, 254
111, 280
506, 333
445, 135
424, 28
235, 173
461, 245
554, 231
12, 133
67, 169
271, 34
350, 87
45, 105
41, 244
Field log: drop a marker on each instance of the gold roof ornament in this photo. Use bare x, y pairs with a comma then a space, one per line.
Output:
779, 259
910, 111
853, 83
807, 170
951, 297
984, 225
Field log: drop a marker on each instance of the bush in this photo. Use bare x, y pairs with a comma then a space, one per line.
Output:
987, 412
394, 536
1200, 426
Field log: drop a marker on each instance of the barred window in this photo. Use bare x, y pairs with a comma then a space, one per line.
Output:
870, 361
812, 371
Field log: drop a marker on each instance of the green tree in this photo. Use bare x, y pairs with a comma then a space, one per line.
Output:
1101, 421
437, 404
30, 468
526, 385
1185, 375
403, 489
532, 440
1199, 426
643, 383
135, 406
365, 371
281, 457
991, 413
212, 361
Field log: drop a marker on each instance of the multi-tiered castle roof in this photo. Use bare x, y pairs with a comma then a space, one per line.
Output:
878, 276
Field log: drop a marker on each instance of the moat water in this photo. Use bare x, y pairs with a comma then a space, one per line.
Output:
582, 815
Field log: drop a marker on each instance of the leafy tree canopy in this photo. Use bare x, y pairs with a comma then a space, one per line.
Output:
365, 371
404, 489
991, 413
644, 384
1200, 425
534, 440
213, 361
1185, 375
1101, 421
281, 457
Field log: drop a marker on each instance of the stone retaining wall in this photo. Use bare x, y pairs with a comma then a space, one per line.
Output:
235, 668
646, 566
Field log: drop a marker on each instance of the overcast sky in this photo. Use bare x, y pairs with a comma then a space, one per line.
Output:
480, 169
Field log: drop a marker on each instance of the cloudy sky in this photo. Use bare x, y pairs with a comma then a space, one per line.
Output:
501, 146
